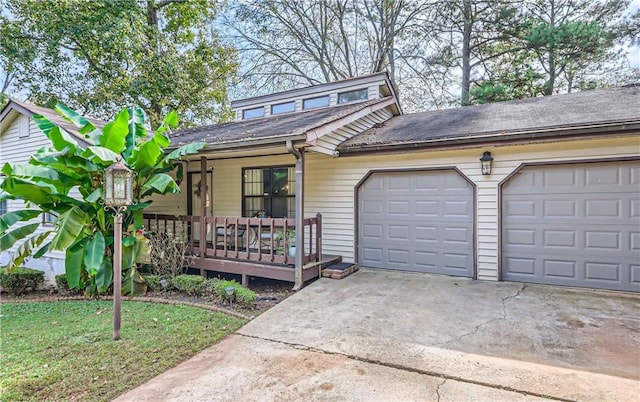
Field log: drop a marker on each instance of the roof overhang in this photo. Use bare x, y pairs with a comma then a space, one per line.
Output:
548, 134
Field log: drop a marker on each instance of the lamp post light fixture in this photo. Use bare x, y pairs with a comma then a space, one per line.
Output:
118, 194
485, 163
230, 290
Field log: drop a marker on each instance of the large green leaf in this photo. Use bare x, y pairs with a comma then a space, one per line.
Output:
114, 134
147, 155
101, 155
162, 183
70, 226
133, 283
86, 128
12, 217
37, 193
26, 249
73, 264
59, 138
8, 239
42, 251
142, 250
188, 149
104, 277
94, 253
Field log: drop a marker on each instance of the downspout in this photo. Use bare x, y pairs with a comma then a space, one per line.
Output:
299, 213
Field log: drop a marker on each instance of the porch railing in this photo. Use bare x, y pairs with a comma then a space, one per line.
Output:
268, 240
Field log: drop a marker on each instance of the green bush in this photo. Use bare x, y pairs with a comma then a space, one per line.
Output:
190, 284
240, 294
21, 280
209, 286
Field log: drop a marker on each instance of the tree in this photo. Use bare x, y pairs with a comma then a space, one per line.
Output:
83, 229
94, 55
285, 44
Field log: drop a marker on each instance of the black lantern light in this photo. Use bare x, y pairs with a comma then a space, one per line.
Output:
485, 163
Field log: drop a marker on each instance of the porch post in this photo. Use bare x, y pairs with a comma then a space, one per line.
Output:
203, 205
299, 154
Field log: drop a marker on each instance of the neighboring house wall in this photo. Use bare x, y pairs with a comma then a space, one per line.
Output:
18, 142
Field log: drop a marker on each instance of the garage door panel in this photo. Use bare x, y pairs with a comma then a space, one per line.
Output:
426, 222
573, 225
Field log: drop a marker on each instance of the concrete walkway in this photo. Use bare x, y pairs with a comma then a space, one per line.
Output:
388, 336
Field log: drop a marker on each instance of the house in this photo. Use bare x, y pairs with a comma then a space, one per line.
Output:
360, 182
406, 191
20, 137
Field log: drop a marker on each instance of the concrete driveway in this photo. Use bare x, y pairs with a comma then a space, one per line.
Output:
389, 336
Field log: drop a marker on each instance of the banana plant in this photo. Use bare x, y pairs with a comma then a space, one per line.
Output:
65, 180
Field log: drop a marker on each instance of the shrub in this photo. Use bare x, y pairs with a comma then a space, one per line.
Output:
154, 282
190, 284
168, 254
240, 294
209, 286
21, 279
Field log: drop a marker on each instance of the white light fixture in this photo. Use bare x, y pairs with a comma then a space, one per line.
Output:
485, 163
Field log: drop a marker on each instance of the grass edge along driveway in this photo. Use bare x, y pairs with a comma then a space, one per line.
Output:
64, 349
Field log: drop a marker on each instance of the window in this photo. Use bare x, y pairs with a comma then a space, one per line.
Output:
269, 189
283, 108
315, 102
253, 113
358, 94
3, 207
23, 127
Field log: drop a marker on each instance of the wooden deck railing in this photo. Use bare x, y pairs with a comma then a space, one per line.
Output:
266, 240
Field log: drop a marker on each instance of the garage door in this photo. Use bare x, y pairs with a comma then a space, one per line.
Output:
417, 221
576, 225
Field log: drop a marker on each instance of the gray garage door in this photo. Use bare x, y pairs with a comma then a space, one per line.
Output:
576, 225
417, 221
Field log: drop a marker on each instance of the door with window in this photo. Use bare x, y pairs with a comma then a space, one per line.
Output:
269, 191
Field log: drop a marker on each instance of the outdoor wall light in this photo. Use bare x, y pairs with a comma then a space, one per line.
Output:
118, 194
485, 163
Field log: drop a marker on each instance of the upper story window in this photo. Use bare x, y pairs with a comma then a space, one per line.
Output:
350, 96
24, 128
3, 207
283, 108
311, 103
253, 113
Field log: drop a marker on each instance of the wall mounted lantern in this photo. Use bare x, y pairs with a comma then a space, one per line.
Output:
485, 163
118, 194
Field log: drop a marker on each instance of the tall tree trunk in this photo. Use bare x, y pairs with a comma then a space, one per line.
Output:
466, 51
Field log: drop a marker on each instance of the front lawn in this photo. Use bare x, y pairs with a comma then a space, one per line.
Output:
65, 351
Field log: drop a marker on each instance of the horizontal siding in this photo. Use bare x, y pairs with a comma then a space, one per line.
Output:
330, 185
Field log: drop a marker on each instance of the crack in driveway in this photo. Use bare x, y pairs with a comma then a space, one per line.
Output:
476, 329
438, 389
429, 373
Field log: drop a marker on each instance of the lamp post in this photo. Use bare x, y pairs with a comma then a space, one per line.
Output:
118, 194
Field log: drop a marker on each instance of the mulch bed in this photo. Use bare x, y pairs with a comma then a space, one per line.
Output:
268, 293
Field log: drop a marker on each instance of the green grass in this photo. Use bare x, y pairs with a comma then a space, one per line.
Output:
64, 350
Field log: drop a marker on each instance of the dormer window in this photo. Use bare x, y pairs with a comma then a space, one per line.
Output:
312, 103
351, 96
283, 108
253, 113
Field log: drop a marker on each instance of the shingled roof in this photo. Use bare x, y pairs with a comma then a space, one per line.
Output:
30, 110
558, 115
271, 129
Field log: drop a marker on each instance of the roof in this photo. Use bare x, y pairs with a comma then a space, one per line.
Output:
313, 89
557, 115
272, 129
53, 116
